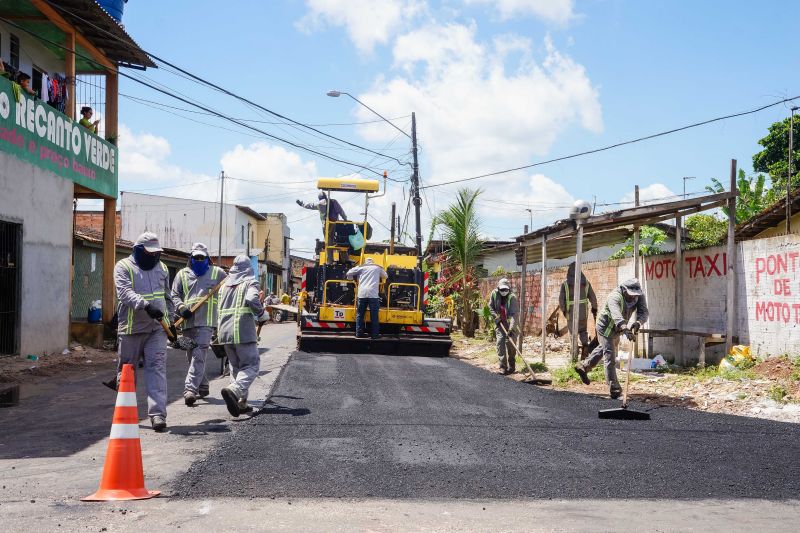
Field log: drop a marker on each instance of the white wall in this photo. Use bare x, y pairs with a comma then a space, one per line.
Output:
32, 51
180, 222
42, 203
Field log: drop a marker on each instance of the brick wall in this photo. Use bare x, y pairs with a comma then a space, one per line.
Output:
767, 295
94, 220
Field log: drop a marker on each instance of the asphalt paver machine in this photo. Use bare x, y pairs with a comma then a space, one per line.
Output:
327, 303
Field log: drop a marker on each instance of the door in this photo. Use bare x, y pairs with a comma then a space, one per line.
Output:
10, 274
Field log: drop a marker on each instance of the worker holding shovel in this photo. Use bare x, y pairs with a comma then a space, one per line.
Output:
613, 322
142, 284
194, 295
504, 307
240, 307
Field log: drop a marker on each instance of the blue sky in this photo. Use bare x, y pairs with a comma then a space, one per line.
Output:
495, 84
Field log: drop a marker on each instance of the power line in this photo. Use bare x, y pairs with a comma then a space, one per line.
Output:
216, 113
232, 94
617, 145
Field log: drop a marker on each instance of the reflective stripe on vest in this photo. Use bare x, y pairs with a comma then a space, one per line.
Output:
569, 297
238, 309
148, 297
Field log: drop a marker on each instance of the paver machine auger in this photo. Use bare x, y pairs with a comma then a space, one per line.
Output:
327, 302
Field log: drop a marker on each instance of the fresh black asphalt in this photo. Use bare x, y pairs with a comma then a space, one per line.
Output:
414, 427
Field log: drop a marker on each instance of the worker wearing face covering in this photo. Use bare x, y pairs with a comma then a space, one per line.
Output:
190, 286
142, 284
622, 304
240, 308
583, 298
504, 307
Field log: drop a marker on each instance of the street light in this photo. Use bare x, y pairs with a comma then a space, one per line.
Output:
530, 212
414, 177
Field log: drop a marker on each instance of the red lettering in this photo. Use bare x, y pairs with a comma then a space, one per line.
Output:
649, 268
691, 261
793, 257
777, 286
796, 308
712, 264
659, 269
761, 311
761, 266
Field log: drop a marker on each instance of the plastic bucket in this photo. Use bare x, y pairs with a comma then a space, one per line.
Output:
94, 315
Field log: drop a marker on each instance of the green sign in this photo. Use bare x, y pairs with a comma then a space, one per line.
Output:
35, 132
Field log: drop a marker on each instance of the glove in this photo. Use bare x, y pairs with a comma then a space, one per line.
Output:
628, 333
635, 327
153, 312
186, 313
173, 331
594, 314
298, 202
263, 318
511, 325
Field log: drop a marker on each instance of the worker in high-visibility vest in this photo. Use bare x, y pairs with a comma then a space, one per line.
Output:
586, 297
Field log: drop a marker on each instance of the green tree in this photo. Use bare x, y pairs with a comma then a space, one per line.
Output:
460, 229
705, 230
774, 158
650, 240
752, 197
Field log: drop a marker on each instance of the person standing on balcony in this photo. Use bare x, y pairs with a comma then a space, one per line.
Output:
86, 119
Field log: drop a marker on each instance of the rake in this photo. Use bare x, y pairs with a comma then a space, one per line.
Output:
623, 413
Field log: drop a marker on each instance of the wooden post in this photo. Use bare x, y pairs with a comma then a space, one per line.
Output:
636, 263
112, 108
576, 308
731, 263
543, 302
69, 71
109, 256
678, 291
523, 307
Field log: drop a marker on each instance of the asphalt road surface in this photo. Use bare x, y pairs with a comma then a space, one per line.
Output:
368, 426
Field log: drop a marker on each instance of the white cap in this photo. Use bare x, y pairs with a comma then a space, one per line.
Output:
149, 240
503, 284
199, 248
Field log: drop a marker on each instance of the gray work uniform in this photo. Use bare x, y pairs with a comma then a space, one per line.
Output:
239, 307
566, 299
187, 290
511, 305
141, 337
612, 320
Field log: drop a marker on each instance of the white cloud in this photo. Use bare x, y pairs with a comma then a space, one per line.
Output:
481, 107
559, 11
654, 193
367, 23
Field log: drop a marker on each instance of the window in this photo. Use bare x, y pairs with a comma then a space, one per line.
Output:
36, 82
14, 51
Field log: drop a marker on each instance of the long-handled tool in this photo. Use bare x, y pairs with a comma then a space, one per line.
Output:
534, 379
623, 413
199, 303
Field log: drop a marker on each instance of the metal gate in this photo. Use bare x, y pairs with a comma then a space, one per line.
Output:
10, 274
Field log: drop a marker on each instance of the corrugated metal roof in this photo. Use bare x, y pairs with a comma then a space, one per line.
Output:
769, 217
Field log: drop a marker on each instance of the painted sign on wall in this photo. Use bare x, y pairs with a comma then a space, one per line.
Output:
33, 131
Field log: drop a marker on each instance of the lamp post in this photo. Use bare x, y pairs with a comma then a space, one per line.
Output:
414, 176
530, 213
789, 179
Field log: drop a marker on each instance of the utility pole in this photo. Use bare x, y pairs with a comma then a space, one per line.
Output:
248, 239
221, 204
789, 180
391, 239
415, 189
683, 226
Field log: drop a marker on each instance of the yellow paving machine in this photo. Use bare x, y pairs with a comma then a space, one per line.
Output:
327, 302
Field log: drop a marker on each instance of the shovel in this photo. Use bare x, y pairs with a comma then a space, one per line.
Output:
623, 413
534, 379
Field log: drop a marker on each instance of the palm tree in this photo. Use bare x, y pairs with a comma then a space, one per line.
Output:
460, 229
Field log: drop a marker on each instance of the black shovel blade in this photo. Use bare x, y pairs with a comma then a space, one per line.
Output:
623, 413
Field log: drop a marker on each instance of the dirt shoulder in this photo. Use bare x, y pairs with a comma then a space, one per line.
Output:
20, 369
770, 389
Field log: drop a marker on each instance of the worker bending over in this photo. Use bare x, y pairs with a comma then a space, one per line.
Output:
142, 285
240, 307
504, 307
190, 286
621, 305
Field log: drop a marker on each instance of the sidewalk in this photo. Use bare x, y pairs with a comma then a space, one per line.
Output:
54, 443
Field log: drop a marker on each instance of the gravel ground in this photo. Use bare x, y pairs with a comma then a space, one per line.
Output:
349, 426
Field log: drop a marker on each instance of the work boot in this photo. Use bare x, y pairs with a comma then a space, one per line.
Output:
231, 400
158, 422
243, 407
189, 398
202, 393
584, 351
582, 374
615, 392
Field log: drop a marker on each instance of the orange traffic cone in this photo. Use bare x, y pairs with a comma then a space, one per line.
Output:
123, 476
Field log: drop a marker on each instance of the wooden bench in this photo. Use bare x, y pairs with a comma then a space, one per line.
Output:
706, 339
